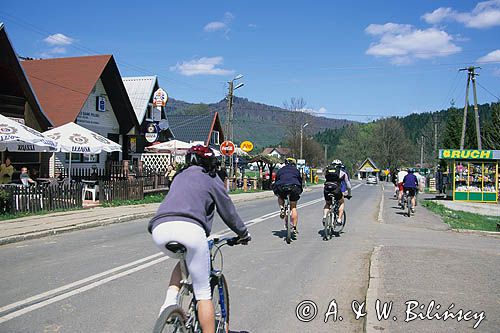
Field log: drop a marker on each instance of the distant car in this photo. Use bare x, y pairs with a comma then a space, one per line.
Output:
371, 179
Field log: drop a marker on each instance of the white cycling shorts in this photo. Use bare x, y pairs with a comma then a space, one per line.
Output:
193, 237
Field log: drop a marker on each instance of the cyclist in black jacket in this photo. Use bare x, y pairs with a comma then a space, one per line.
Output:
289, 181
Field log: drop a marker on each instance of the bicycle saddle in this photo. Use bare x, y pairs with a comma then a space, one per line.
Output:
175, 247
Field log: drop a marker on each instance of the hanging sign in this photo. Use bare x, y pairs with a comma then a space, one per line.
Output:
151, 133
160, 98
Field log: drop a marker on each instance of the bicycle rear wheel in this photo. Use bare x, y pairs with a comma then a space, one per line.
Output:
171, 320
220, 298
288, 222
409, 206
327, 232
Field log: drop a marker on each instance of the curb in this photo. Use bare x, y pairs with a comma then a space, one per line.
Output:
79, 226
99, 223
372, 325
494, 234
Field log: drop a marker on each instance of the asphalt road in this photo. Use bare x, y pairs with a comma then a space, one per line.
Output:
113, 278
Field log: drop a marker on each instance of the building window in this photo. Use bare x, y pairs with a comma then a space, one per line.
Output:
82, 158
214, 140
149, 112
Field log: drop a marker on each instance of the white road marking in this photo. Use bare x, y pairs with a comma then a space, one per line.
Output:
113, 277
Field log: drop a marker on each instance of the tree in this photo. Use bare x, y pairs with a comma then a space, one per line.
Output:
391, 145
491, 131
296, 119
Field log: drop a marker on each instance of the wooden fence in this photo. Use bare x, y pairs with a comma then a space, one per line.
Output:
42, 197
129, 189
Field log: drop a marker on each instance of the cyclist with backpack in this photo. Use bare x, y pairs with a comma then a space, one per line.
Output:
185, 216
289, 181
410, 184
334, 178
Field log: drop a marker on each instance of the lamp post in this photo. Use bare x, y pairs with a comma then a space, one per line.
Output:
301, 136
229, 118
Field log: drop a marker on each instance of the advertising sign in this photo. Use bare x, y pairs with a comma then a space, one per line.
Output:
246, 146
151, 133
227, 148
160, 98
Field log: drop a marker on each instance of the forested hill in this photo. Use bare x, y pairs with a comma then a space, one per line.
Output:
397, 141
263, 124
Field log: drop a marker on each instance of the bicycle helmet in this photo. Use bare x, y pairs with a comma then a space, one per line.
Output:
336, 162
201, 156
290, 161
411, 170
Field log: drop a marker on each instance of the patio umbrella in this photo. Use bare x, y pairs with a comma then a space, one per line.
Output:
15, 136
73, 138
175, 147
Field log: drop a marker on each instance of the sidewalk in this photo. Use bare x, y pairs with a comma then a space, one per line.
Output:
37, 226
481, 208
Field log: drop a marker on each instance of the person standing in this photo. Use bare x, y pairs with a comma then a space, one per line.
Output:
6, 171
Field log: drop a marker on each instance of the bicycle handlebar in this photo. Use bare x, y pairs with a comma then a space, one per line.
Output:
231, 241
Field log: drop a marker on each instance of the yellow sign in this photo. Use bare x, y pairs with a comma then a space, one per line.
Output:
467, 154
246, 146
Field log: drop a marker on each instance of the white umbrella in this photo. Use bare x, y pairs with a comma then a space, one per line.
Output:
73, 138
173, 146
15, 136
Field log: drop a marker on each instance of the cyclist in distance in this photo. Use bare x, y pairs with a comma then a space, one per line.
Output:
410, 184
334, 177
289, 177
401, 176
185, 216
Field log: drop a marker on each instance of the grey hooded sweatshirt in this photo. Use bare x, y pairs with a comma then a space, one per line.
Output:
193, 197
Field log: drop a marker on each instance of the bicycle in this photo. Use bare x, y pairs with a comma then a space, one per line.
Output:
408, 199
331, 225
183, 317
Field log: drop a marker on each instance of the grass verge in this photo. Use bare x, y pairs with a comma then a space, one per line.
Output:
462, 220
239, 191
10, 216
149, 198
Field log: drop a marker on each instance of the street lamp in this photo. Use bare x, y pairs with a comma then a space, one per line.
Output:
301, 135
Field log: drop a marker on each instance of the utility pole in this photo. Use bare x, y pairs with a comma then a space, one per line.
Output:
435, 122
471, 76
230, 117
326, 154
422, 151
301, 136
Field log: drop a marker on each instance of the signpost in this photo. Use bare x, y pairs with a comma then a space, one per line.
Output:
160, 98
152, 133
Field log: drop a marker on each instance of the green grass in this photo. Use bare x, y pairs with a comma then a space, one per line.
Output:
239, 191
9, 216
462, 220
150, 198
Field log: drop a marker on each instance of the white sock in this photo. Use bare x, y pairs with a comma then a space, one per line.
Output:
171, 298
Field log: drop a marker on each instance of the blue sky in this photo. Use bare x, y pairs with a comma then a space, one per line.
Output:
362, 58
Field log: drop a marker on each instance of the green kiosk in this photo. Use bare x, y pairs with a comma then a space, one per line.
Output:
474, 172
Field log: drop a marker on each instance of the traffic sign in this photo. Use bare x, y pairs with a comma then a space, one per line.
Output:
246, 146
227, 148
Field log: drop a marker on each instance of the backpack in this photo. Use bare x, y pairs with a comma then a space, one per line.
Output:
332, 173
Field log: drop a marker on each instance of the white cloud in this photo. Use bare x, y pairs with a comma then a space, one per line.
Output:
202, 66
490, 57
58, 50
486, 14
222, 25
403, 43
58, 39
252, 25
215, 26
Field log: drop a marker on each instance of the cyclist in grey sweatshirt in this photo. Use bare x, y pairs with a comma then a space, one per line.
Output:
186, 216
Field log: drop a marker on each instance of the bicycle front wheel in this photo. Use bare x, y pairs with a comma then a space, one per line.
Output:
220, 298
339, 227
171, 320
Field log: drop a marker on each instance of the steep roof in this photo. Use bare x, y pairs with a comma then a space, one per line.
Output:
140, 89
368, 164
280, 150
62, 86
12, 71
195, 128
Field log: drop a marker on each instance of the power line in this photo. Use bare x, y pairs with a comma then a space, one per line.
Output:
492, 94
